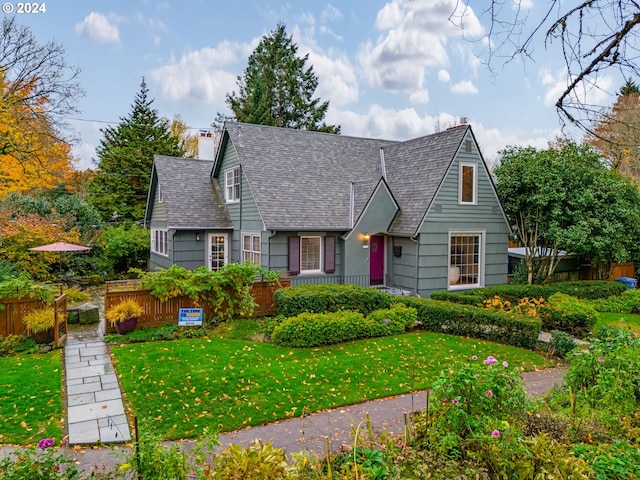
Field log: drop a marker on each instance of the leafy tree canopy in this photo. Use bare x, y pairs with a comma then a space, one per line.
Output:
37, 88
277, 88
565, 198
119, 186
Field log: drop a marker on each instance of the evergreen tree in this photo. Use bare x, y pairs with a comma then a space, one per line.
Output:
277, 89
119, 186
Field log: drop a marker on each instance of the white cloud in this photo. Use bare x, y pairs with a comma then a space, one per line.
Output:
464, 87
419, 96
96, 26
331, 13
443, 76
200, 76
593, 92
337, 81
415, 36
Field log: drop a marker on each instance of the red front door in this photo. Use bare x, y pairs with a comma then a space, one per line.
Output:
376, 260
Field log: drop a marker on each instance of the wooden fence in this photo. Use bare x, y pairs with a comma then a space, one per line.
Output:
158, 313
619, 270
16, 308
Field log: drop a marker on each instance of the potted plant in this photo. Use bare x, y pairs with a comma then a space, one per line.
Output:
125, 316
40, 324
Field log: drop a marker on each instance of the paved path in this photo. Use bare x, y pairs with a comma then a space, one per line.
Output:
93, 397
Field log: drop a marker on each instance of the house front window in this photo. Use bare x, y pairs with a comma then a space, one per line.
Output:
310, 254
465, 259
251, 247
232, 185
159, 242
467, 187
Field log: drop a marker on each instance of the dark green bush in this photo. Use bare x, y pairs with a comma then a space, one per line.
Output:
464, 320
464, 299
561, 344
329, 298
586, 290
568, 314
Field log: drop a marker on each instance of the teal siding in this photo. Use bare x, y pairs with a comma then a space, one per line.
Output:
278, 251
402, 269
448, 215
244, 214
375, 219
159, 220
187, 251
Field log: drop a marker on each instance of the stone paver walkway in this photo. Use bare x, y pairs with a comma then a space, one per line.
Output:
94, 400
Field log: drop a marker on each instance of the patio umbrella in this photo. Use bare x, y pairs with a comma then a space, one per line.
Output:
61, 247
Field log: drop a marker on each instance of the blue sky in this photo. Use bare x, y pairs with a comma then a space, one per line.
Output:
392, 69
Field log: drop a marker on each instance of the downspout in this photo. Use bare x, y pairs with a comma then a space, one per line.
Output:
383, 167
352, 204
270, 235
415, 240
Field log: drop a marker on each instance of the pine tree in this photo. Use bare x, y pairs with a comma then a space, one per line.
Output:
277, 90
125, 157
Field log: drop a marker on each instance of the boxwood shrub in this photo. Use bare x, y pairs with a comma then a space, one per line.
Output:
466, 320
628, 302
329, 298
316, 329
568, 314
464, 298
586, 290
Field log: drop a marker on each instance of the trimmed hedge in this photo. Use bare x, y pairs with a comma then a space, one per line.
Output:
464, 298
568, 314
325, 298
465, 320
585, 290
628, 302
316, 329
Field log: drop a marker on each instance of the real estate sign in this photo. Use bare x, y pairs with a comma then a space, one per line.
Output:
190, 317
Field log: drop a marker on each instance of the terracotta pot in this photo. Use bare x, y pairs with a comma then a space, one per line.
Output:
127, 325
46, 336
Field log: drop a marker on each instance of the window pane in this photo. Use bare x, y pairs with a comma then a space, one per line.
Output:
464, 260
467, 183
310, 253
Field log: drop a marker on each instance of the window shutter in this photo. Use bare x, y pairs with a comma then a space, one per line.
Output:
294, 255
329, 254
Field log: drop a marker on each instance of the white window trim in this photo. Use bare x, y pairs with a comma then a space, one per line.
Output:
229, 190
481, 259
475, 183
156, 246
251, 252
225, 259
320, 260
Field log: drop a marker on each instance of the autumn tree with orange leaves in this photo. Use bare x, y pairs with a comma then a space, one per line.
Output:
37, 89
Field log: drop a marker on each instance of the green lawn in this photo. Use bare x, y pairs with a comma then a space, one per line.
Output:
619, 320
30, 398
181, 387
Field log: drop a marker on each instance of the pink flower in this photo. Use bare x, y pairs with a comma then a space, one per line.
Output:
475, 357
495, 433
601, 360
489, 394
490, 360
505, 364
455, 401
45, 443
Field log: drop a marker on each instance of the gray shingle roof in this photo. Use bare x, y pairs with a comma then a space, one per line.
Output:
301, 179
415, 169
192, 198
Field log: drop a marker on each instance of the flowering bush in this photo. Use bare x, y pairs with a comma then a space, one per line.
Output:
525, 306
38, 463
470, 401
